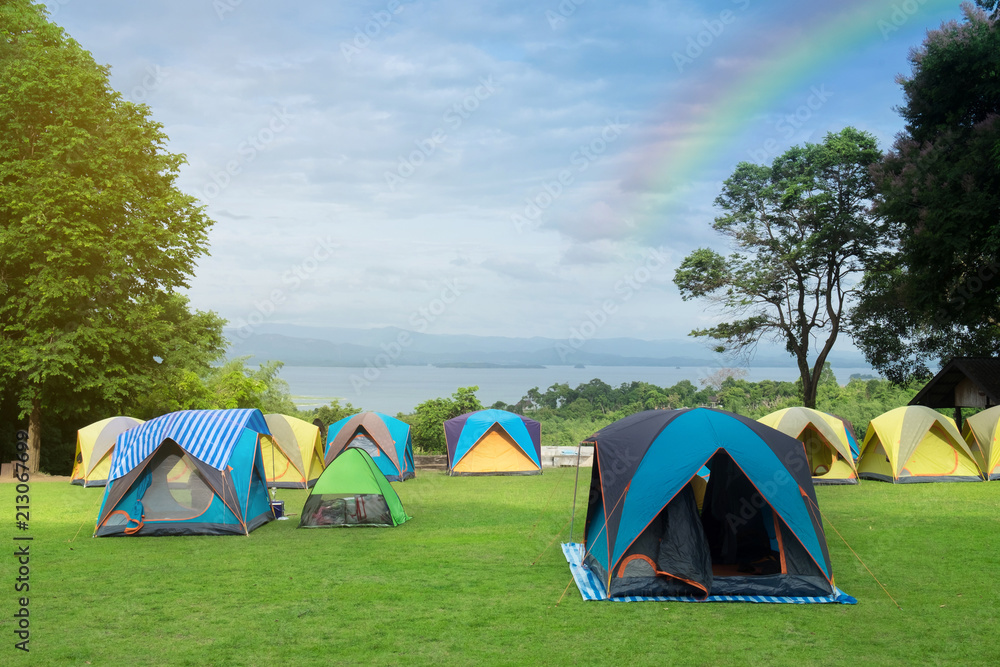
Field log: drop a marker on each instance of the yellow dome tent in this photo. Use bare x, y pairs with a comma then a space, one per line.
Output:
915, 443
293, 455
825, 440
94, 446
981, 432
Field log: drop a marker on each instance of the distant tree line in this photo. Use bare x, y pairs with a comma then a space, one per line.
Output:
569, 415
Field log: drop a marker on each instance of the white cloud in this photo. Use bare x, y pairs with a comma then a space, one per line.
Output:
414, 146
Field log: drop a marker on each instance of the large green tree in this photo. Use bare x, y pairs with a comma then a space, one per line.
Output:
191, 354
936, 293
802, 229
95, 237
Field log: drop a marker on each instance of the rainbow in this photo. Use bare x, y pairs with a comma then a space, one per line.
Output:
717, 114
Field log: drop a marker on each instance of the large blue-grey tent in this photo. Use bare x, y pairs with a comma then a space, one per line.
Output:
193, 472
759, 534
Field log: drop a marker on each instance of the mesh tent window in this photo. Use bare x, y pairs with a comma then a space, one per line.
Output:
362, 441
177, 490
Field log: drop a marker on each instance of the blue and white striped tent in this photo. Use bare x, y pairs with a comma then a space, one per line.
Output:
192, 472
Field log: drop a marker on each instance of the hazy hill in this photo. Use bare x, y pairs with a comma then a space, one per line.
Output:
331, 346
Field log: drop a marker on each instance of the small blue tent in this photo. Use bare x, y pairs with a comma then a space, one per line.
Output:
758, 533
386, 439
194, 472
493, 442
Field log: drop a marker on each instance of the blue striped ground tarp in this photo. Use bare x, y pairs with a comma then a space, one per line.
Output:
208, 435
592, 588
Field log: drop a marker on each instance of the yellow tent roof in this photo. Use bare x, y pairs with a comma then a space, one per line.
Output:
295, 459
94, 445
915, 443
806, 423
981, 433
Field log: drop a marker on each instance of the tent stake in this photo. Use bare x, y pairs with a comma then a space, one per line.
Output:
564, 591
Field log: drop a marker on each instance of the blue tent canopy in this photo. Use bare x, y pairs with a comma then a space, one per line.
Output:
464, 432
759, 531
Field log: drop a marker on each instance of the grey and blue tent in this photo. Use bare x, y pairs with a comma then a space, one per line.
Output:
758, 535
386, 439
194, 472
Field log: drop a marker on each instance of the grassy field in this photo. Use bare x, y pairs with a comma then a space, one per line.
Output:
476, 578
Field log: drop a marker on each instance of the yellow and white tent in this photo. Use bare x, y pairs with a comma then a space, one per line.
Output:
94, 447
293, 455
916, 444
982, 432
825, 440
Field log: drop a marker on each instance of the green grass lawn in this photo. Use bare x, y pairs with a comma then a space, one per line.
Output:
457, 585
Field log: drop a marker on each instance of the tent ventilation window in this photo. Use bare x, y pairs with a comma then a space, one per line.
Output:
362, 441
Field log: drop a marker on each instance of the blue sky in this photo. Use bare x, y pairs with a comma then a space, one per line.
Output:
492, 168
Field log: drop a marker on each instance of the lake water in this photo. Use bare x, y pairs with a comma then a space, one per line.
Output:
402, 388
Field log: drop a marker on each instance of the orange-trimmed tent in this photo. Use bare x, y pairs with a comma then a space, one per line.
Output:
94, 446
293, 455
493, 442
982, 431
386, 439
916, 444
824, 438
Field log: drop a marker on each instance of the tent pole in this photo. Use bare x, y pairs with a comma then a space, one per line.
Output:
572, 517
272, 488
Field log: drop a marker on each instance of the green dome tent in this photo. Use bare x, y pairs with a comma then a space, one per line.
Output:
352, 491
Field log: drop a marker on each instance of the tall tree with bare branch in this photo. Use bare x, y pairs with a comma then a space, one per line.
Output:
801, 230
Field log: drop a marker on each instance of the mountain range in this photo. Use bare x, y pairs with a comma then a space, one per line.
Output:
297, 345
